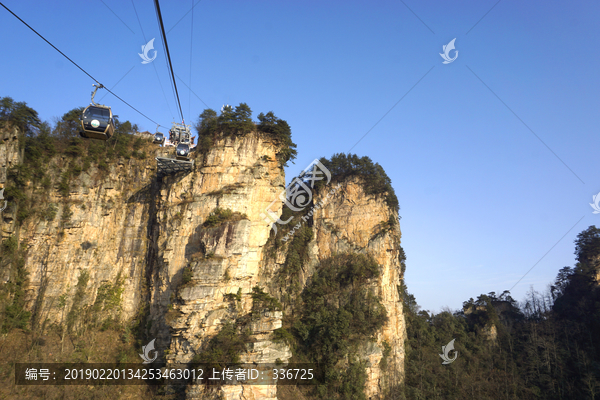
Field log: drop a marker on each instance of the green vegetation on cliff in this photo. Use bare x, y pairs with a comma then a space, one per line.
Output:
43, 165
19, 114
238, 121
225, 347
263, 301
220, 215
373, 178
337, 315
12, 294
296, 256
53, 158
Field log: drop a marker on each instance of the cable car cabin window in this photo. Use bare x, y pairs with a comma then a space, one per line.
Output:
97, 113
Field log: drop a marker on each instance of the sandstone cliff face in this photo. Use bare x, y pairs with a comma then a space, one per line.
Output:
124, 229
350, 221
243, 176
101, 231
10, 155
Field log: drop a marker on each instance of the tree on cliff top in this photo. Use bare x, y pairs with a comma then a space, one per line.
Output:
587, 245
281, 130
19, 114
578, 292
373, 178
68, 125
239, 122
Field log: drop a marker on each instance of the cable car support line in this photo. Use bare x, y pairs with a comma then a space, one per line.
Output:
153, 65
180, 134
74, 63
191, 52
170, 65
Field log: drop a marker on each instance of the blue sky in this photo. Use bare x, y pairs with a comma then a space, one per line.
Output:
482, 198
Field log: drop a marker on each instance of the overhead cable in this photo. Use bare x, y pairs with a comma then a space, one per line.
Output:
153, 65
74, 63
169, 64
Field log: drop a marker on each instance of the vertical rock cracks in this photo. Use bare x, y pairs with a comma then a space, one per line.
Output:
190, 253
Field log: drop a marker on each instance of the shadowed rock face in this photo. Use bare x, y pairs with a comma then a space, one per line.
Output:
10, 155
358, 222
350, 221
150, 237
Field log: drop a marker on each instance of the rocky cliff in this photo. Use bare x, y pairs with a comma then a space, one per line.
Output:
191, 254
10, 156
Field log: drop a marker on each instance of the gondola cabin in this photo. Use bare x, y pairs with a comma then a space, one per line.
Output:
184, 137
159, 138
97, 122
182, 152
181, 136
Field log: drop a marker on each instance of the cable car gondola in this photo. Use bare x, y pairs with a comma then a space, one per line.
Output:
182, 136
97, 120
182, 152
159, 137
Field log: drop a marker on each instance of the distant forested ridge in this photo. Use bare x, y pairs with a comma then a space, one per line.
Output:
547, 347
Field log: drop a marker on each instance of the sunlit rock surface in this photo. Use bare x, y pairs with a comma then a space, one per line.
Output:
125, 228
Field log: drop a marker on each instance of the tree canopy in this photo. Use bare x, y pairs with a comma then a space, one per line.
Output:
19, 114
